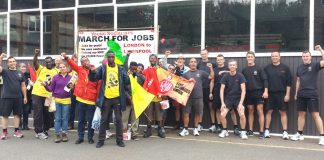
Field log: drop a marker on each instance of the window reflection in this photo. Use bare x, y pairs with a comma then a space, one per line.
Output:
180, 26
94, 1
227, 25
24, 4
3, 33
131, 17
96, 18
58, 32
24, 33
58, 3
282, 25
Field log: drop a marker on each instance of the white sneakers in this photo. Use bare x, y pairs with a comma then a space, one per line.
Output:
212, 129
195, 132
223, 134
285, 135
266, 133
297, 137
243, 135
200, 127
321, 141
108, 134
184, 132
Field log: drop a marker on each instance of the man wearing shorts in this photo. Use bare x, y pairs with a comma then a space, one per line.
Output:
13, 97
232, 94
279, 84
196, 97
220, 70
307, 95
257, 89
202, 65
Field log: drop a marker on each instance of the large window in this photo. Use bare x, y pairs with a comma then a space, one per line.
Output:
24, 4
132, 17
94, 1
24, 35
58, 3
282, 25
227, 25
3, 5
319, 23
3, 33
180, 26
58, 32
96, 18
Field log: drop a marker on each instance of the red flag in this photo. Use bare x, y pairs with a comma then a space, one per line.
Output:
32, 73
151, 83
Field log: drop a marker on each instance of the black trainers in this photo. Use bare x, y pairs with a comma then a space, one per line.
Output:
79, 141
237, 131
261, 135
147, 133
100, 144
90, 141
249, 133
218, 129
161, 132
121, 144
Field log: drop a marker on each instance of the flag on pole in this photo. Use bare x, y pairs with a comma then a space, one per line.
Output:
140, 97
115, 47
32, 73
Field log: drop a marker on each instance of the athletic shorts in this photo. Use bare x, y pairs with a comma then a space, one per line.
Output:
232, 103
276, 101
9, 105
216, 99
307, 103
254, 97
197, 104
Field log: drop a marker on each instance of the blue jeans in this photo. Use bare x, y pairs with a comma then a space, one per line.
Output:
61, 118
85, 112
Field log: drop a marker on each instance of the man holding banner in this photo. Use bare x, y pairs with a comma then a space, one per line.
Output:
152, 85
196, 97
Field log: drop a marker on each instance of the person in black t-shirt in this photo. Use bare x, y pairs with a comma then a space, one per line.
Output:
28, 106
279, 84
13, 97
307, 95
220, 70
207, 91
257, 89
232, 94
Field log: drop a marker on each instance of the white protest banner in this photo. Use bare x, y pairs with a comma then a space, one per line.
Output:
94, 45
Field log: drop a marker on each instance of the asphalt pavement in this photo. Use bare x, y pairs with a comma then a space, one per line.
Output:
207, 146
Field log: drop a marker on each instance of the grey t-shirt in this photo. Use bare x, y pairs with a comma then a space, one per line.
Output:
12, 80
198, 75
308, 75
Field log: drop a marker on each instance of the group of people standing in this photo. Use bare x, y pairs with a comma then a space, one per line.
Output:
222, 88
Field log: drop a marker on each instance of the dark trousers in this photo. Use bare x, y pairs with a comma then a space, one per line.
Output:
72, 111
43, 120
85, 112
26, 111
111, 104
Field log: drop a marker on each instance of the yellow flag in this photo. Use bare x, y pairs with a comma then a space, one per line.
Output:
140, 97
